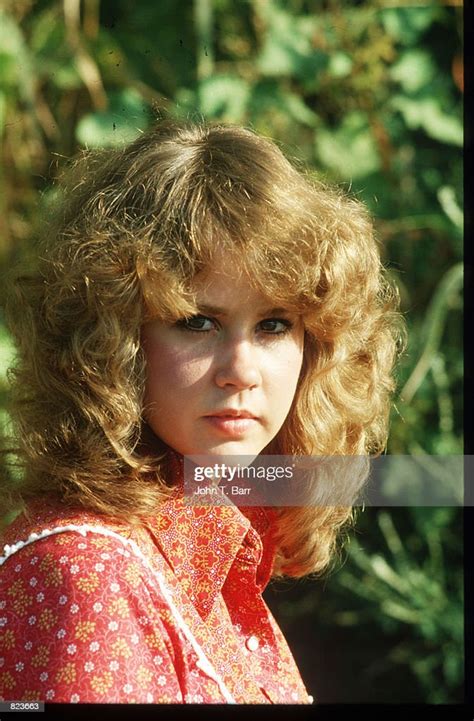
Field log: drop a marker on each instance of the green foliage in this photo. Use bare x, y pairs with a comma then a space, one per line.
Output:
119, 124
408, 582
402, 575
365, 95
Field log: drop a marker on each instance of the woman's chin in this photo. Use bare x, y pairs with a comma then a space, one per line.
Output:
247, 451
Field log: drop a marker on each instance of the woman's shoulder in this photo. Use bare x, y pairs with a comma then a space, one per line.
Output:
47, 534
72, 563
81, 616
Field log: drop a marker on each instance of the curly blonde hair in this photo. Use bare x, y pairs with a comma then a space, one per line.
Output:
133, 228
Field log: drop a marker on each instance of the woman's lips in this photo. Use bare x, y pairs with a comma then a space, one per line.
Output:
232, 426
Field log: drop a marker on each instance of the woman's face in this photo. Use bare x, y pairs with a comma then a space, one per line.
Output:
238, 356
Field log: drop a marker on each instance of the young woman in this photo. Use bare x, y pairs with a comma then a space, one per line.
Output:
194, 294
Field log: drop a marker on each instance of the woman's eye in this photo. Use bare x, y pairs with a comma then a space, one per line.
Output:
276, 325
196, 323
203, 324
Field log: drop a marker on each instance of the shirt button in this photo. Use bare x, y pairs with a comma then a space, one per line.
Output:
252, 643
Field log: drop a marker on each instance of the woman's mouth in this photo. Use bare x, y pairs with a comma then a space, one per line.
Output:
232, 425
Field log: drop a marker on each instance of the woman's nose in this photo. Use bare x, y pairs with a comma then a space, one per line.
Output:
237, 365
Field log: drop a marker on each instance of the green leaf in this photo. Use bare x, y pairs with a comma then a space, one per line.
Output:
340, 65
288, 47
268, 96
52, 50
224, 96
400, 612
7, 352
452, 667
386, 574
16, 66
447, 200
297, 108
3, 110
427, 114
407, 24
350, 151
126, 117
414, 70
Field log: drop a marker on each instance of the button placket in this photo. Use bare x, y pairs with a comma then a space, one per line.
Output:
252, 643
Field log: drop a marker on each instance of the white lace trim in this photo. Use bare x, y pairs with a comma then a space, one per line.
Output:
204, 663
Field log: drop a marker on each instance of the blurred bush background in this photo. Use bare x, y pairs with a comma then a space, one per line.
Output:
369, 95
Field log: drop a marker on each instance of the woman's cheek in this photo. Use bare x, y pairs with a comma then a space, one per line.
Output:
179, 369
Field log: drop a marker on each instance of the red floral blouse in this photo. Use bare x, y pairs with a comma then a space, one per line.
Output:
97, 611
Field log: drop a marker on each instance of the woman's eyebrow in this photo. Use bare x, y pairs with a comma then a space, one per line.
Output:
215, 310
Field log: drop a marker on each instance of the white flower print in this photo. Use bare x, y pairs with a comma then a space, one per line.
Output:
49, 694
3, 604
89, 666
34, 560
113, 625
28, 646
62, 600
74, 568
94, 646
33, 581
105, 556
61, 633
128, 688
114, 587
193, 698
32, 620
99, 567
161, 680
97, 607
74, 608
18, 568
149, 697
72, 648
114, 666
44, 676
3, 621
158, 660
82, 546
19, 666
75, 698
63, 559
40, 597
134, 638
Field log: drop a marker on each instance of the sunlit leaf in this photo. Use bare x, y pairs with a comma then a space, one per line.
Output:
427, 114
126, 117
447, 198
340, 65
288, 48
413, 70
406, 23
350, 151
223, 96
7, 352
